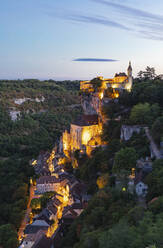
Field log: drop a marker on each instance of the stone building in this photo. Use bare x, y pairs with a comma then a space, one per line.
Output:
120, 81
85, 133
48, 184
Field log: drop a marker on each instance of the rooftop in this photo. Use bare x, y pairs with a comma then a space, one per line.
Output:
121, 74
43, 242
48, 179
86, 120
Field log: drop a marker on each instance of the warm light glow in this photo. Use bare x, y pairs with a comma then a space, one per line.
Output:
34, 162
50, 161
123, 189
128, 88
86, 137
133, 172
101, 95
65, 146
116, 95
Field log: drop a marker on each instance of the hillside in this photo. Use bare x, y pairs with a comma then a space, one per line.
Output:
123, 177
118, 215
45, 109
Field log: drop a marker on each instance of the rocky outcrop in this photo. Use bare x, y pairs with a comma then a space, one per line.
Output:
127, 131
91, 104
14, 114
20, 101
155, 152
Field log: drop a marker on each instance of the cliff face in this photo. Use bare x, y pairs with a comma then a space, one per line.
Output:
91, 104
127, 131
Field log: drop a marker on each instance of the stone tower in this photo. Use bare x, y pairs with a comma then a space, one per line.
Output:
130, 79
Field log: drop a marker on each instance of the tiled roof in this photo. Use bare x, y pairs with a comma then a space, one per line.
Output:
44, 242
86, 120
34, 229
40, 223
48, 179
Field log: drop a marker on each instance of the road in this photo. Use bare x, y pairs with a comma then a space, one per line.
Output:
28, 210
155, 150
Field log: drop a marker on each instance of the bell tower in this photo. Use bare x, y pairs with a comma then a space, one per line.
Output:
130, 78
129, 70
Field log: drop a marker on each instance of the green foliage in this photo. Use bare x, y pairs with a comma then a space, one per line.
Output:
35, 204
111, 130
113, 218
148, 74
8, 236
155, 180
120, 236
45, 198
110, 110
156, 206
144, 114
88, 240
40, 203
140, 143
145, 234
149, 91
96, 83
125, 160
157, 129
38, 128
104, 210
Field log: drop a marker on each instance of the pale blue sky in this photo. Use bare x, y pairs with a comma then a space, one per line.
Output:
41, 38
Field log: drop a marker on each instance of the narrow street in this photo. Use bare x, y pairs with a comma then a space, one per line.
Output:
26, 217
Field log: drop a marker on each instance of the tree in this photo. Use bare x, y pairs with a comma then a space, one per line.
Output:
155, 180
36, 204
96, 83
125, 160
8, 236
148, 74
120, 236
144, 113
158, 125
156, 206
45, 198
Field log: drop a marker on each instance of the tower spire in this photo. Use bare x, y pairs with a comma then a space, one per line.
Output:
129, 67
130, 78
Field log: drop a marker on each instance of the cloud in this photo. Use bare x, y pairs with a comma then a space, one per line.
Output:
138, 22
94, 60
89, 19
134, 12
144, 23
97, 20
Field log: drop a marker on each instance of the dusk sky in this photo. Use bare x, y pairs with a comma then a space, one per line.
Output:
79, 39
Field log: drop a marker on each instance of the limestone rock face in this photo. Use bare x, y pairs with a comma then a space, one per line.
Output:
127, 131
91, 104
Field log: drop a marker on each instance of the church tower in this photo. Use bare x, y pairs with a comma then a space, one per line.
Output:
129, 70
130, 78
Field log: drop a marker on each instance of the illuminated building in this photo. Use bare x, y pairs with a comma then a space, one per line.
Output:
85, 133
48, 184
120, 81
82, 132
